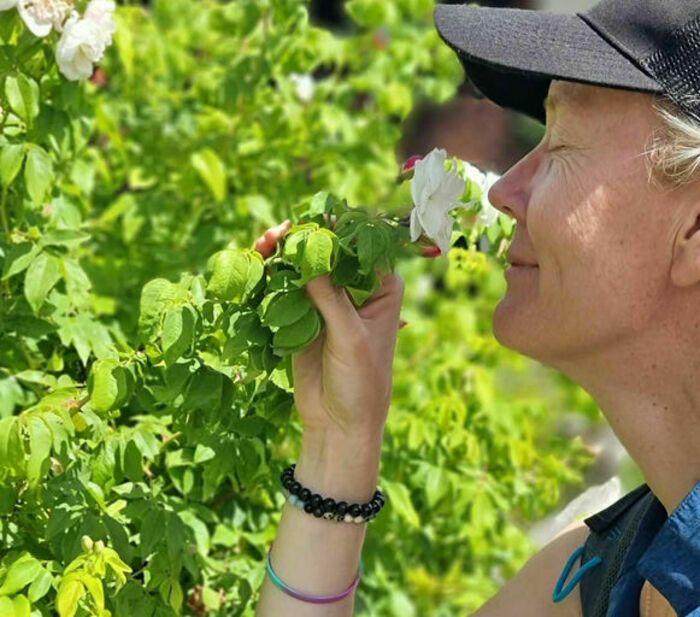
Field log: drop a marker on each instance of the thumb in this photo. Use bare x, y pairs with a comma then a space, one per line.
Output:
338, 311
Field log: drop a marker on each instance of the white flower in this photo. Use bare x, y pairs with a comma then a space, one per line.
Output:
102, 12
488, 215
435, 192
85, 39
40, 16
474, 174
305, 86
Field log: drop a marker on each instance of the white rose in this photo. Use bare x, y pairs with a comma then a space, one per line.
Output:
488, 215
102, 12
40, 16
435, 193
85, 39
474, 174
305, 86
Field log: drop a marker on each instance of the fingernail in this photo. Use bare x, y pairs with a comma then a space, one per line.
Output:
402, 323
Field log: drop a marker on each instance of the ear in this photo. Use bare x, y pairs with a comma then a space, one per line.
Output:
685, 268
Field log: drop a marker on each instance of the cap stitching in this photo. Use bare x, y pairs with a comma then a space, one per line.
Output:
675, 70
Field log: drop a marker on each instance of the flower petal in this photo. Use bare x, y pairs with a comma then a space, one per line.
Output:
7, 4
416, 229
35, 26
488, 214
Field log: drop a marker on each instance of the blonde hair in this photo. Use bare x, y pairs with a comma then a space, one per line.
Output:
673, 153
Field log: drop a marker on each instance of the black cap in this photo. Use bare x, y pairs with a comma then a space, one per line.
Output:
511, 55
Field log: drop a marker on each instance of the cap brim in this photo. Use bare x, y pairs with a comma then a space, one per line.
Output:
511, 55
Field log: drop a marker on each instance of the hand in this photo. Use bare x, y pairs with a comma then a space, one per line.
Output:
343, 380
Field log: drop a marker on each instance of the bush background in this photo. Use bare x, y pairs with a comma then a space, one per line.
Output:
190, 137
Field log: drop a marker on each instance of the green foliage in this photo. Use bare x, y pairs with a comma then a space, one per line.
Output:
146, 395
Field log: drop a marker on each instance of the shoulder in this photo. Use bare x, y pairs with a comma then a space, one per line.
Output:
529, 592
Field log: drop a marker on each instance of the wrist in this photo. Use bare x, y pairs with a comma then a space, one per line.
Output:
344, 467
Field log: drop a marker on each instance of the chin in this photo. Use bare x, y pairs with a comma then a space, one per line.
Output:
511, 329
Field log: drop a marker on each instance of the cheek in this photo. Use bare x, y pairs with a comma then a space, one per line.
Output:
561, 219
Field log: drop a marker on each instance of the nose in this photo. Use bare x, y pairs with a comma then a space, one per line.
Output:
511, 192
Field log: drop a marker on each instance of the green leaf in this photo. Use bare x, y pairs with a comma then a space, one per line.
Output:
40, 585
178, 332
43, 273
65, 237
371, 13
319, 251
11, 453
20, 574
133, 462
38, 174
152, 531
109, 385
22, 94
372, 244
22, 608
203, 453
68, 598
94, 587
300, 333
18, 258
234, 274
399, 498
286, 308
7, 606
212, 171
11, 159
40, 440
156, 297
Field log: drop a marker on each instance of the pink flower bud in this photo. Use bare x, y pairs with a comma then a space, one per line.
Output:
431, 251
410, 163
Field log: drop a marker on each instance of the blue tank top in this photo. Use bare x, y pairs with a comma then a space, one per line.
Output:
634, 540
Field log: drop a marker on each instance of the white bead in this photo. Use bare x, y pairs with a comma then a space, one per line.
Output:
348, 518
328, 515
359, 519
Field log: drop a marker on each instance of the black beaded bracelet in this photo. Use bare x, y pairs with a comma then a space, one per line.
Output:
341, 511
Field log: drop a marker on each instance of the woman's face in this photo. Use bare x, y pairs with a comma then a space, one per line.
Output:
600, 233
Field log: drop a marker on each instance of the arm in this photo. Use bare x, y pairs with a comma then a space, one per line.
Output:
314, 555
529, 592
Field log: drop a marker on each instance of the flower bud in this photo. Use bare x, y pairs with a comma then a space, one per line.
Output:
87, 543
99, 546
408, 167
431, 251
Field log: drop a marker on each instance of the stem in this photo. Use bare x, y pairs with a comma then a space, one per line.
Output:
3, 214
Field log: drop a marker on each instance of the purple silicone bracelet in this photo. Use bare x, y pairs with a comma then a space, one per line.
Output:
304, 597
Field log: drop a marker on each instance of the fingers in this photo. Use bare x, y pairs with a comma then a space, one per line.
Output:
339, 313
385, 304
267, 243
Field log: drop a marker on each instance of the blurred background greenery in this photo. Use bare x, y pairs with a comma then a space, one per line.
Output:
205, 124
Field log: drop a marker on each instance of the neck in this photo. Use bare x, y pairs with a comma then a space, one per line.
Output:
651, 398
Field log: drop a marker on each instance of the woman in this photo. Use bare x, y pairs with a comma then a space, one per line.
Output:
604, 286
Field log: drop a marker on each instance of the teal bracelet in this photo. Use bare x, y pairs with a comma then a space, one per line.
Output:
304, 597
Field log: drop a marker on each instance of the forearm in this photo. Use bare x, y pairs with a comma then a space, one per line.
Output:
314, 555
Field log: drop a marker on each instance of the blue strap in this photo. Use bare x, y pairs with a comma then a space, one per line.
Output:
559, 593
